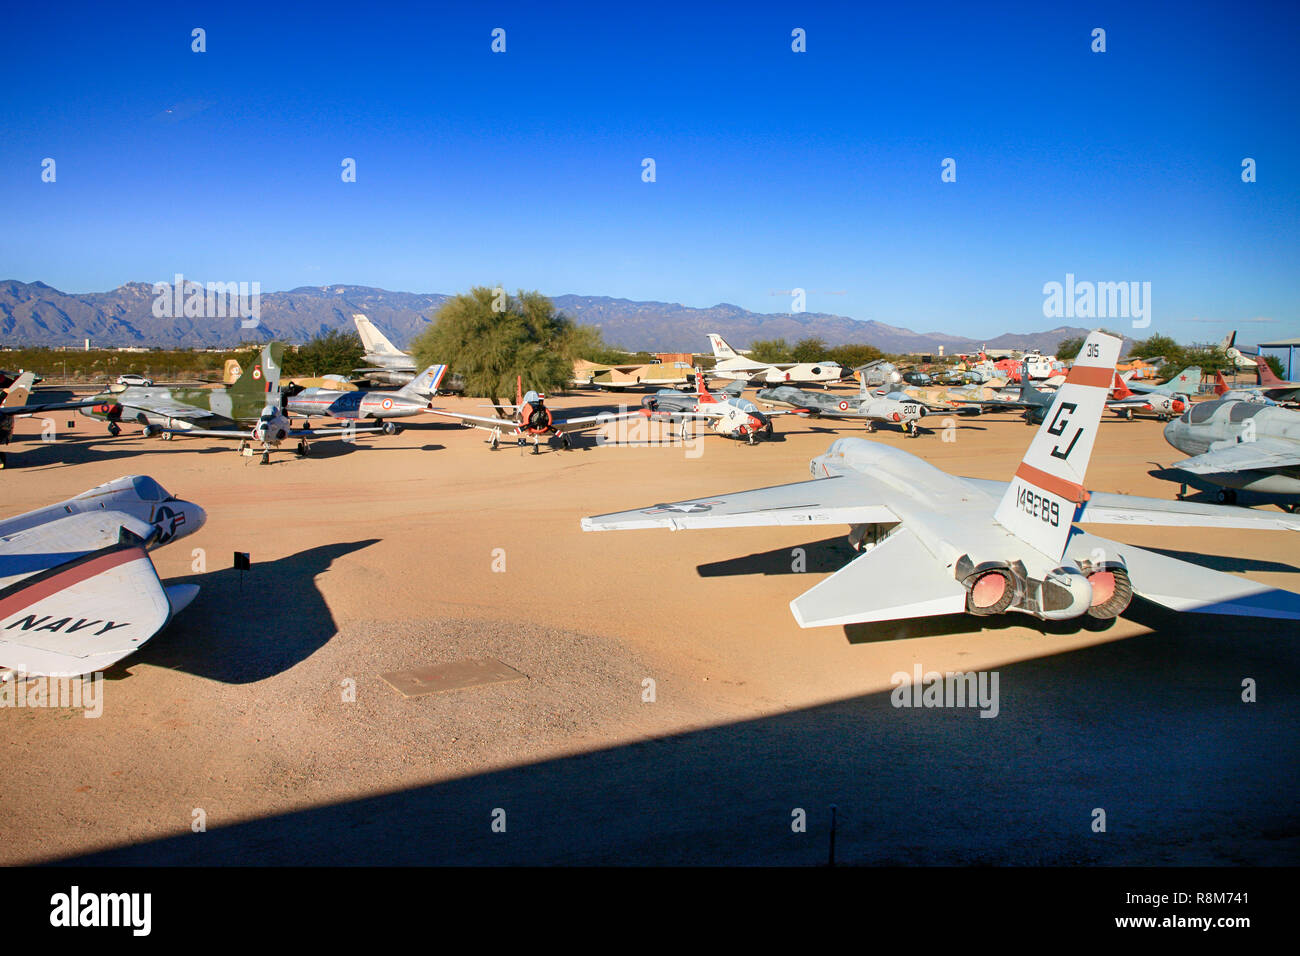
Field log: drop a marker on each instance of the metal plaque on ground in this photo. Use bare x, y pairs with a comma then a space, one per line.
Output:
454, 676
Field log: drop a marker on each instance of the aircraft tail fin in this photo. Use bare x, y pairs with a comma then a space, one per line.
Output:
372, 339
262, 377
1229, 341
702, 388
1220, 383
424, 385
721, 350
20, 390
1121, 389
1041, 500
1266, 377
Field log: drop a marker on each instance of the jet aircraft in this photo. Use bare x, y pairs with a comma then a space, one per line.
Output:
730, 417
895, 408
935, 544
732, 365
1240, 445
77, 589
13, 402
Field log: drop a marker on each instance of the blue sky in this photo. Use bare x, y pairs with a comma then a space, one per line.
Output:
775, 169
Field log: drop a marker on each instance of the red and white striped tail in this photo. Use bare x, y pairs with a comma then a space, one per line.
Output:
1040, 502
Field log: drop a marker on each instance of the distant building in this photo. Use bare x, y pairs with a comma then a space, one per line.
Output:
668, 358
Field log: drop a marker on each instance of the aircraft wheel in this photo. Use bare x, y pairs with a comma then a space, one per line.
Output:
165, 436
566, 443
266, 457
390, 428
114, 429
871, 426
1226, 496
303, 449
1128, 414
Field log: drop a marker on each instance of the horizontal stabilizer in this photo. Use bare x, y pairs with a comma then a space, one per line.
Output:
896, 579
1183, 586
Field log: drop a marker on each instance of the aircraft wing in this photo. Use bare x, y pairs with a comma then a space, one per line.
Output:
593, 421
1184, 586
836, 500
47, 407
1105, 508
898, 578
86, 613
1262, 454
179, 411
478, 421
247, 433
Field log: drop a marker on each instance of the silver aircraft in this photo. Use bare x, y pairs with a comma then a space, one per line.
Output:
411, 399
937, 544
1240, 445
78, 591
388, 364
894, 408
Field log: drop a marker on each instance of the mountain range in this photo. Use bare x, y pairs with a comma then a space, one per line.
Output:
36, 314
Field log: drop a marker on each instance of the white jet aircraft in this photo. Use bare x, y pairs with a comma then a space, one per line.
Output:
77, 589
938, 544
732, 365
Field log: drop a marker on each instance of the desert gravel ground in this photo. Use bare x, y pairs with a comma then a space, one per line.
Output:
379, 556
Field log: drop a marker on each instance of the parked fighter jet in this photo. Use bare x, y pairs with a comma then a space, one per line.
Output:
157, 409
77, 589
1223, 390
1186, 382
731, 416
411, 399
13, 402
1273, 387
1124, 402
1239, 444
624, 378
388, 364
938, 544
732, 365
272, 426
901, 410
531, 420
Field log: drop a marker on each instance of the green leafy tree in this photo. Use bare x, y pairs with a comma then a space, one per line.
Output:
489, 338
336, 352
811, 349
771, 350
851, 356
1068, 349
1158, 346
1275, 363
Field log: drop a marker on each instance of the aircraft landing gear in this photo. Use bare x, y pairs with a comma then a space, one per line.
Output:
303, 448
1128, 414
912, 430
114, 429
165, 436
266, 456
565, 442
391, 428
871, 426
1226, 496
494, 441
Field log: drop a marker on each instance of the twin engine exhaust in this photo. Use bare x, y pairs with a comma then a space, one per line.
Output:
1100, 590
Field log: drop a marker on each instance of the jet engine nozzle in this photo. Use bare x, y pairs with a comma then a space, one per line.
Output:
1111, 589
991, 587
